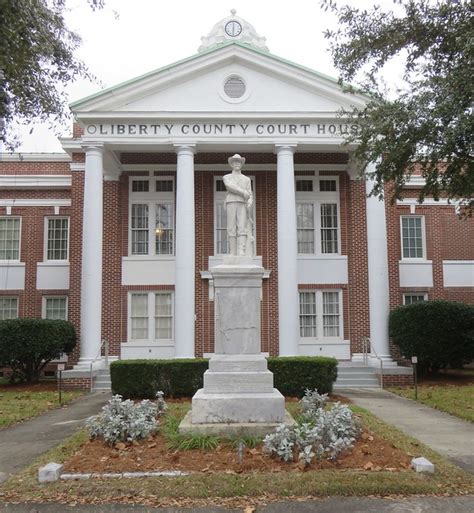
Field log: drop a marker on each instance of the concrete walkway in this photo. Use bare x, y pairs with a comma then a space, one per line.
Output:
22, 443
331, 505
448, 435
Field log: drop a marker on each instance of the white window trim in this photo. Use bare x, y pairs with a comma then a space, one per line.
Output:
221, 195
423, 239
45, 239
43, 304
151, 198
17, 304
151, 340
424, 294
316, 198
320, 338
6, 261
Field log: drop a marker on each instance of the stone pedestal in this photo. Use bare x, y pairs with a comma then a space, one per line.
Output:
238, 396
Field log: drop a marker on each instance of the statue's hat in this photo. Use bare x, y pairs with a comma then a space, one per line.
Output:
236, 158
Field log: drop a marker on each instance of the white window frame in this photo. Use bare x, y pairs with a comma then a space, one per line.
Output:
317, 198
320, 338
219, 196
151, 198
17, 304
151, 340
424, 294
19, 239
423, 238
44, 301
46, 238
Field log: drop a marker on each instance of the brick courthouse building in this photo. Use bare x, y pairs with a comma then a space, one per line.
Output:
118, 233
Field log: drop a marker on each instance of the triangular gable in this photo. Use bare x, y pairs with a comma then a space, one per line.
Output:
195, 84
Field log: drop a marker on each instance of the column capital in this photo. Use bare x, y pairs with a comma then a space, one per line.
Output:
89, 147
183, 149
285, 147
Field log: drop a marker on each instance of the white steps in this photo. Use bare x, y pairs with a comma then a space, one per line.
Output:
102, 381
355, 376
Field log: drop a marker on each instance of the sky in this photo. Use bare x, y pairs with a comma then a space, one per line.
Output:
131, 37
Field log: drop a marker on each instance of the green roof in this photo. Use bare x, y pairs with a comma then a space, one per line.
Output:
213, 49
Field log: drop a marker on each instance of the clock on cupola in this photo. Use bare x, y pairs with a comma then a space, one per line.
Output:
233, 28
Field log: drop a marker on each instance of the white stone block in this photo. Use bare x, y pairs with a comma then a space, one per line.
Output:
50, 472
237, 408
237, 363
422, 465
238, 382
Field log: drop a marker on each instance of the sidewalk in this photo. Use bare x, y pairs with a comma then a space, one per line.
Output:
22, 443
331, 505
448, 435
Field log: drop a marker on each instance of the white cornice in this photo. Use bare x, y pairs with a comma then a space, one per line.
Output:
414, 182
35, 181
34, 157
77, 166
442, 202
40, 202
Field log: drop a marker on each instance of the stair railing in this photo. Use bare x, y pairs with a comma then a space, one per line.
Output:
104, 344
366, 344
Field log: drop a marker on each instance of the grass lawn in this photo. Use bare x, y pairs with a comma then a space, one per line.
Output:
17, 405
234, 489
456, 400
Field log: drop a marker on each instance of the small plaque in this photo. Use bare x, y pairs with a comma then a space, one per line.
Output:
414, 359
61, 366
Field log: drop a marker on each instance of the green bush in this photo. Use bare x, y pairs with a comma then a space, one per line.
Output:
143, 378
28, 345
440, 333
294, 374
182, 378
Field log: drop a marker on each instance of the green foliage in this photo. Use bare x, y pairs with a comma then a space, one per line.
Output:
142, 378
37, 60
430, 125
439, 333
183, 377
294, 374
28, 345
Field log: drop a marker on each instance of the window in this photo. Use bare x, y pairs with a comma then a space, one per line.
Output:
320, 314
221, 245
140, 185
305, 227
317, 216
151, 316
331, 314
57, 244
308, 314
152, 217
329, 228
410, 298
412, 237
140, 229
8, 308
55, 307
10, 238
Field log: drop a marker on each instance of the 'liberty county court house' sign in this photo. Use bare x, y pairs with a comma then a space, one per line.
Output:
220, 129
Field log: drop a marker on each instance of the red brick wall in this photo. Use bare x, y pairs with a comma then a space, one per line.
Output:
447, 238
358, 321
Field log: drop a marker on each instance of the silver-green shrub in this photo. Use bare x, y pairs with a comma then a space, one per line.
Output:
125, 421
312, 401
323, 434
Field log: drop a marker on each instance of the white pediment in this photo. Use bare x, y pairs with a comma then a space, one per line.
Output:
197, 85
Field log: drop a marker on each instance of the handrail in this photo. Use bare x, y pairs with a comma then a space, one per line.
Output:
104, 344
365, 355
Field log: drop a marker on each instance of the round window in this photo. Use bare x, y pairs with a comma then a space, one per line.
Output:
234, 87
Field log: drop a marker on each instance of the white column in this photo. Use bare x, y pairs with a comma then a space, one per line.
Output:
184, 260
92, 232
288, 301
379, 303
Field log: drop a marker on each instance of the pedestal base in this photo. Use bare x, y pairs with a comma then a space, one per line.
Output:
237, 429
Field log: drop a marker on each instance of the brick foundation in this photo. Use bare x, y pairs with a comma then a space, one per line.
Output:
76, 384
